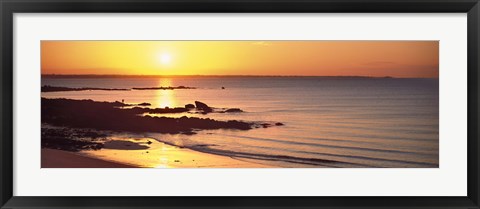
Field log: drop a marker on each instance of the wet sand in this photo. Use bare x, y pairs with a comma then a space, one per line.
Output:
137, 153
52, 158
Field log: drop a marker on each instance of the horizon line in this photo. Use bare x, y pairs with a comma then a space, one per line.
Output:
141, 75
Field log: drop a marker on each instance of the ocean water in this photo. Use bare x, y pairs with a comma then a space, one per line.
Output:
357, 122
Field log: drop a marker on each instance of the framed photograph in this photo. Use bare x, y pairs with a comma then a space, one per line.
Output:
239, 104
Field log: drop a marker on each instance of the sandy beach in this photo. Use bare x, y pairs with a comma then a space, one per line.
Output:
136, 153
52, 158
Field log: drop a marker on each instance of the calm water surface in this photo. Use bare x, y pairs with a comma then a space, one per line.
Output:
359, 122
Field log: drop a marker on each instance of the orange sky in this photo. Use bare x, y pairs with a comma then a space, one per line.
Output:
305, 58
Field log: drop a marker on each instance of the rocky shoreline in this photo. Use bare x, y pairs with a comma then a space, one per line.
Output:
70, 139
75, 125
113, 117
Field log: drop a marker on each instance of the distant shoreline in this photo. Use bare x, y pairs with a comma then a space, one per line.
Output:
48, 88
224, 76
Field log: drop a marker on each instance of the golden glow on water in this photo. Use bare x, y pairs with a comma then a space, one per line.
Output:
166, 98
327, 124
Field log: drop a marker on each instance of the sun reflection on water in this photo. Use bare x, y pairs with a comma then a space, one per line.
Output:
166, 98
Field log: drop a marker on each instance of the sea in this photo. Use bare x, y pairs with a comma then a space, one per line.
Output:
351, 121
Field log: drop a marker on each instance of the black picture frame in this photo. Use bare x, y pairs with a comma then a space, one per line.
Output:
10, 7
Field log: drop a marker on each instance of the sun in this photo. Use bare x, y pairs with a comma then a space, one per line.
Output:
165, 58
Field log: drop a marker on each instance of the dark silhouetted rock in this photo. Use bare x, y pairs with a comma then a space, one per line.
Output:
279, 124
189, 106
164, 88
203, 106
141, 110
265, 125
73, 140
48, 88
234, 110
107, 116
144, 104
119, 104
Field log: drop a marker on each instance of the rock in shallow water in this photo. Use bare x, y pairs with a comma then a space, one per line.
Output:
203, 106
106, 116
234, 110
